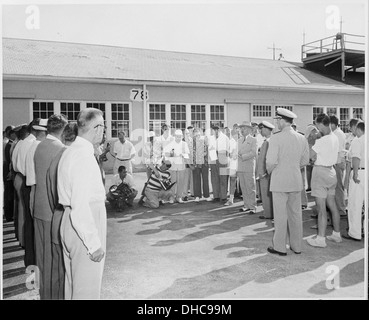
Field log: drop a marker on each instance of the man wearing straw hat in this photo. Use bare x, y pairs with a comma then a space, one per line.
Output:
247, 151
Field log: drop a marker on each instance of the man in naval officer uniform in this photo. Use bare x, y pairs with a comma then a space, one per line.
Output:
288, 152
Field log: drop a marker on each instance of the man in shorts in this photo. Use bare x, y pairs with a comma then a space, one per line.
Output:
324, 181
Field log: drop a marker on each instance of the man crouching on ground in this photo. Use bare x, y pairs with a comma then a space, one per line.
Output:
154, 191
124, 191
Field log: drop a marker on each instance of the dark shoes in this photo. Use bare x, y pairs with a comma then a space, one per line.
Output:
271, 250
264, 217
248, 211
216, 199
303, 207
348, 237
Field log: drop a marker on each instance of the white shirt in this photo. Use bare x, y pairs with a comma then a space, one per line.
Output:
124, 150
181, 152
79, 184
15, 155
30, 164
20, 159
341, 144
357, 150
222, 143
326, 149
128, 180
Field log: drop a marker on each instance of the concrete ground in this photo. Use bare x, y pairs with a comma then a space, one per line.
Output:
206, 251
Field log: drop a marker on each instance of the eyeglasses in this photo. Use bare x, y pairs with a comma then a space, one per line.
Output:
278, 118
99, 125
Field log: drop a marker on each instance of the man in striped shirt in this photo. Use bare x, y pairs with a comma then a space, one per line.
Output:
154, 191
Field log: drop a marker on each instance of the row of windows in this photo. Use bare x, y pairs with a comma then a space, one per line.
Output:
344, 114
265, 111
178, 116
120, 116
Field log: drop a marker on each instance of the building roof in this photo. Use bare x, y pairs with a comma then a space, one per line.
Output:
38, 58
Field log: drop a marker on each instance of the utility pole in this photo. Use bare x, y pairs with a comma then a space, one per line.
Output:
274, 49
341, 22
303, 37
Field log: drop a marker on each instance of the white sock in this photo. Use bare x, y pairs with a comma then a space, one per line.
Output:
320, 238
231, 197
337, 234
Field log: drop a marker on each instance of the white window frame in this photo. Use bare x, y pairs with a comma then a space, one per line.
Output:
265, 105
338, 114
108, 111
39, 101
273, 106
168, 119
69, 101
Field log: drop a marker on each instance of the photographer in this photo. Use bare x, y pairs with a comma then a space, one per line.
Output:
125, 190
154, 190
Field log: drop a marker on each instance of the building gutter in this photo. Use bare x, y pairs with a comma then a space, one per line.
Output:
336, 90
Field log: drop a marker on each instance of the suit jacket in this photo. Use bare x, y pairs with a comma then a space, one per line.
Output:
261, 162
247, 149
45, 152
288, 151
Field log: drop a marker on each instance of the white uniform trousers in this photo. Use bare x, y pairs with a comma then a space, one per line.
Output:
83, 276
287, 221
355, 205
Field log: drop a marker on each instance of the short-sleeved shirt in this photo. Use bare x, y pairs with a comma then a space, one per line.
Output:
128, 180
357, 150
326, 149
341, 144
124, 150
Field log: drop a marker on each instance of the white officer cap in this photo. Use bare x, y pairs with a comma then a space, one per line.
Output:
266, 124
283, 112
151, 134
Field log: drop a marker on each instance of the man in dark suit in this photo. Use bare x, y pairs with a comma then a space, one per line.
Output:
7, 179
262, 174
58, 270
44, 154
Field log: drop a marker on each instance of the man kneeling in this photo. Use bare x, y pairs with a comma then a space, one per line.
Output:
123, 190
157, 189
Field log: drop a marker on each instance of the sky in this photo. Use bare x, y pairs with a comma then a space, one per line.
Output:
242, 28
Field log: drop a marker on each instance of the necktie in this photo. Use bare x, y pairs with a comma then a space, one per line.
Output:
194, 150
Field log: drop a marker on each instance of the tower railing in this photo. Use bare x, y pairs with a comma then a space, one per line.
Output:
338, 42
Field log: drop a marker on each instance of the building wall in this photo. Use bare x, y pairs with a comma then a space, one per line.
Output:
16, 111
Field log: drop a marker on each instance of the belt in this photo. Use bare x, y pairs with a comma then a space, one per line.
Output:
123, 159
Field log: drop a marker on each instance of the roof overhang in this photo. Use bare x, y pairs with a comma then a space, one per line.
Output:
298, 88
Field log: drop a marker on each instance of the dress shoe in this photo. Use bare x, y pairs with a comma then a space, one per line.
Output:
271, 250
216, 199
264, 217
303, 207
348, 237
295, 252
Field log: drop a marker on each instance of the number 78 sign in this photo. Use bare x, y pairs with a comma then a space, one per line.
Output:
139, 95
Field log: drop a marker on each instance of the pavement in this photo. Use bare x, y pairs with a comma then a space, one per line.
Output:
206, 251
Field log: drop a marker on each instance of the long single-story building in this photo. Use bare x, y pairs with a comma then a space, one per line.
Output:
142, 89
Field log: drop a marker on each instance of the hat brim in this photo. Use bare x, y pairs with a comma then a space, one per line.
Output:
40, 128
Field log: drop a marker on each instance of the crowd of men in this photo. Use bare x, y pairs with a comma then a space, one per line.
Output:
54, 185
